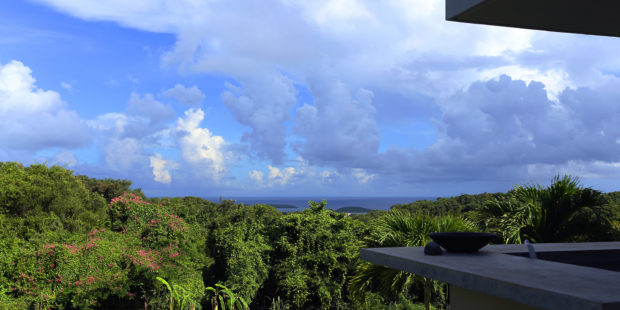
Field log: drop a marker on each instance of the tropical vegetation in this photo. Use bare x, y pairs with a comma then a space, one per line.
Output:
74, 242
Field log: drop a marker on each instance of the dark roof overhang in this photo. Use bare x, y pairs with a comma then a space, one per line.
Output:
594, 17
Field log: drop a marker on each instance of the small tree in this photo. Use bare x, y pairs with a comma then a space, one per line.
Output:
180, 298
225, 299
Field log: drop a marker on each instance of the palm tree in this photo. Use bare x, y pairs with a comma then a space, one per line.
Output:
397, 229
562, 212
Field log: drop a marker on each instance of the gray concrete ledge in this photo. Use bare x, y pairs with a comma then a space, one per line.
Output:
535, 282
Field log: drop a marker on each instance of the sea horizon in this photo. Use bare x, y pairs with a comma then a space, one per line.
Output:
333, 202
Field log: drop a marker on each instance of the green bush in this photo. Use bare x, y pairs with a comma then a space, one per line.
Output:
313, 256
561, 212
38, 189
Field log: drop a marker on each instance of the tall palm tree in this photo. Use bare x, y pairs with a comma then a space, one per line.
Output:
397, 229
561, 212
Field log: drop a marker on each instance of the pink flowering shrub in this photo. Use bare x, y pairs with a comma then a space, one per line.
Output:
113, 267
105, 265
128, 211
35, 276
164, 229
158, 228
76, 274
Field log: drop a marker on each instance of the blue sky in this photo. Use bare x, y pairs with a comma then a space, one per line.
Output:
303, 98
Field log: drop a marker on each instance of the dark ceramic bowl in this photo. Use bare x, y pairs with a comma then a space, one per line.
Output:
462, 242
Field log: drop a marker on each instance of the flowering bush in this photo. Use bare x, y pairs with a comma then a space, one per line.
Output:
127, 211
107, 265
79, 275
162, 234
110, 267
165, 229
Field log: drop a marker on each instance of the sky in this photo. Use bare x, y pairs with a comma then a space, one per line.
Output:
300, 98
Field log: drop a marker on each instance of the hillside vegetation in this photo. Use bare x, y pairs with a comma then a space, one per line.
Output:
74, 242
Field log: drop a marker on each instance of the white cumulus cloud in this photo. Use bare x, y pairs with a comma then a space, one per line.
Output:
124, 137
161, 168
362, 176
257, 176
280, 176
200, 148
33, 118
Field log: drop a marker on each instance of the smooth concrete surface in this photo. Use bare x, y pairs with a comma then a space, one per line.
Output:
464, 299
598, 17
553, 247
604, 255
535, 282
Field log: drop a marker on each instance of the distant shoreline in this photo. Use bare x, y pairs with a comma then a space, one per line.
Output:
353, 209
282, 206
362, 204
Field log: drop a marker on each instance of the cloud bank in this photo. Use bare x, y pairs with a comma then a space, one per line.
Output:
315, 84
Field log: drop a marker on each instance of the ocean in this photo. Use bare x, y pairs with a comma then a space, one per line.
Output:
300, 203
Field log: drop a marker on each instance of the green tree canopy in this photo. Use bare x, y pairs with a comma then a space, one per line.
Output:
109, 188
42, 191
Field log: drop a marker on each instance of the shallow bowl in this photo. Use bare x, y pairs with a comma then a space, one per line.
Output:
462, 242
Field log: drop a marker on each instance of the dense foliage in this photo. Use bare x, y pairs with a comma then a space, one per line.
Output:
40, 196
74, 242
561, 212
109, 188
397, 229
463, 204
